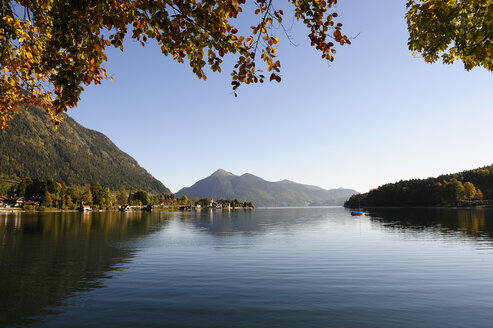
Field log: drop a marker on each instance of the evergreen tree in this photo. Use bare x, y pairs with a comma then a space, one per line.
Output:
97, 193
22, 187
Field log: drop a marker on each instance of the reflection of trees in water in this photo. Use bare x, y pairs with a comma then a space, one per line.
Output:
47, 257
475, 223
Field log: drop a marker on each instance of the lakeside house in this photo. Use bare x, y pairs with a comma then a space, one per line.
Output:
124, 208
18, 202
212, 204
31, 203
216, 205
12, 202
85, 208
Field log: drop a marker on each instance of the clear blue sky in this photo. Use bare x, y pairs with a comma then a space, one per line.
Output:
376, 115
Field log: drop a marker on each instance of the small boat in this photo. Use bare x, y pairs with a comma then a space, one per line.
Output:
357, 213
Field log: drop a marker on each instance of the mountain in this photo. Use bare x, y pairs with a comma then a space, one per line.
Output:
467, 188
33, 147
248, 187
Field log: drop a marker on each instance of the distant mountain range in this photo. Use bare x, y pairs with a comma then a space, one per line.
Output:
248, 187
32, 147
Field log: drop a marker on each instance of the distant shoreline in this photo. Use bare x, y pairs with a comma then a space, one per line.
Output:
56, 210
423, 207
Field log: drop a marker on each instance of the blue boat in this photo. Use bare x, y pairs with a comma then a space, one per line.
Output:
359, 212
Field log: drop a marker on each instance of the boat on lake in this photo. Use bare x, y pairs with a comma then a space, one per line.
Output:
357, 213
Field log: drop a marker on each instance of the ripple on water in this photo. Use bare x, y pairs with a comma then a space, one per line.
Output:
303, 267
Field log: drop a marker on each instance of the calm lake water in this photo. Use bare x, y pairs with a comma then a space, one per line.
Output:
291, 267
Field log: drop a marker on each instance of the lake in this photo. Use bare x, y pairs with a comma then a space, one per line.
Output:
272, 267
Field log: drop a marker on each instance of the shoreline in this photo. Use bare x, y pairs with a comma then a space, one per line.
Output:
173, 209
421, 207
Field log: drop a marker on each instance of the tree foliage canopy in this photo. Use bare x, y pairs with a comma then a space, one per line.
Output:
50, 49
452, 30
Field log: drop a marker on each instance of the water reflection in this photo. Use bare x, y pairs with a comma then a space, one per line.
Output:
259, 221
47, 257
470, 223
223, 223
297, 267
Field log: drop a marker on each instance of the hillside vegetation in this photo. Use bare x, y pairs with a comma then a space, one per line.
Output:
33, 147
450, 189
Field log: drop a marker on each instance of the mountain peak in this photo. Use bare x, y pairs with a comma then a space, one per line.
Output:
221, 172
248, 187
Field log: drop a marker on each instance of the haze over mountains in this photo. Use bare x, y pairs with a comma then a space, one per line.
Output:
248, 187
32, 147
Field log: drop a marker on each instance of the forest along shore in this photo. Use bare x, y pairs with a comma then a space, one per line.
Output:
51, 195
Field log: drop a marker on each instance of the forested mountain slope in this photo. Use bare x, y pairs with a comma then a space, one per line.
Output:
32, 147
449, 189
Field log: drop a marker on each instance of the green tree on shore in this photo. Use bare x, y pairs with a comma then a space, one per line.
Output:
51, 193
86, 197
97, 193
183, 200
122, 196
454, 191
141, 197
